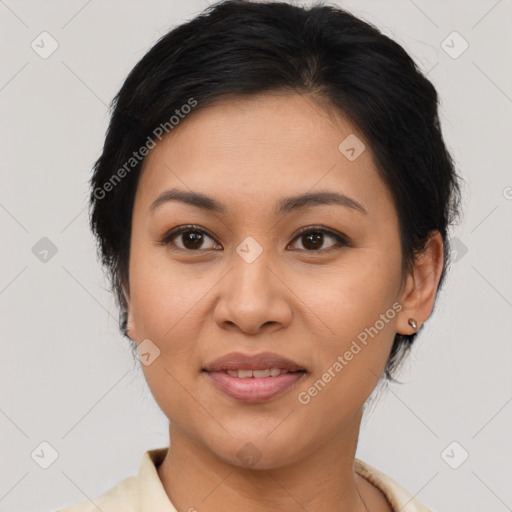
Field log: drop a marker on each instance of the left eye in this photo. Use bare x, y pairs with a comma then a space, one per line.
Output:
313, 238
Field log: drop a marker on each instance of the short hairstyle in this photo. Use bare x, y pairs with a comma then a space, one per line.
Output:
236, 49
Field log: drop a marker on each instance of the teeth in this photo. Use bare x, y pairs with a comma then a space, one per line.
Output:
258, 374
261, 373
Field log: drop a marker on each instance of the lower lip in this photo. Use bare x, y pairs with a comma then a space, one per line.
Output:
254, 389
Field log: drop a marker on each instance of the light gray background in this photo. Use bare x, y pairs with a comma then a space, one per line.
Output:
68, 378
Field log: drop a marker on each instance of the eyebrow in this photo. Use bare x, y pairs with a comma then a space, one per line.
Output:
283, 206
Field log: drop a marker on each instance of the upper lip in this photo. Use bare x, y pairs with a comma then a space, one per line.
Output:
261, 361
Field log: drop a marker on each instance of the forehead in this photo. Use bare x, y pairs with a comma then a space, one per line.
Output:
249, 151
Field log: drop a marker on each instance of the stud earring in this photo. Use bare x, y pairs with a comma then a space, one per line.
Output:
412, 323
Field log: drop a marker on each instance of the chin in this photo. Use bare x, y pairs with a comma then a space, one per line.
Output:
259, 452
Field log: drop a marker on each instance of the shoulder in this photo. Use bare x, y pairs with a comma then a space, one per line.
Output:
122, 497
143, 491
398, 497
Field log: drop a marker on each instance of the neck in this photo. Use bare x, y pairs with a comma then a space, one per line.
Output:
195, 478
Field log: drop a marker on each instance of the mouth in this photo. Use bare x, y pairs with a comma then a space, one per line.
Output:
254, 378
258, 374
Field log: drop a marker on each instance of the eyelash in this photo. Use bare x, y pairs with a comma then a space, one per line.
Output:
341, 240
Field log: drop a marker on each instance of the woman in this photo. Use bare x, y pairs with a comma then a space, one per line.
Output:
272, 205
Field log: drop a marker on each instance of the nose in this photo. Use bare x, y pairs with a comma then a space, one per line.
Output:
253, 298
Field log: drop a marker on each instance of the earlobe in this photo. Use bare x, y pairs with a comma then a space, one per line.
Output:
129, 330
420, 292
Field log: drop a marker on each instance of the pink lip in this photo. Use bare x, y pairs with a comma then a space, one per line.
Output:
254, 389
261, 361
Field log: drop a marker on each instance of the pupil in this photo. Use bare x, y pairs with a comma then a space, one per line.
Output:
194, 238
314, 239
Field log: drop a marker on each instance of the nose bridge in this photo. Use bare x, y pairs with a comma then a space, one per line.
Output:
250, 250
252, 295
251, 267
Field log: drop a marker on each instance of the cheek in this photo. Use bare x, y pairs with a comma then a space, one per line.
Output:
358, 308
162, 294
162, 305
162, 310
355, 294
349, 361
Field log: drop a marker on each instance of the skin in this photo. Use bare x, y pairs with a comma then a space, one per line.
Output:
307, 305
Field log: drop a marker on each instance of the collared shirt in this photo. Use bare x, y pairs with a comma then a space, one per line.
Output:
144, 492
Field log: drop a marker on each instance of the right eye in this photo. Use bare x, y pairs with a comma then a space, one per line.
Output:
191, 237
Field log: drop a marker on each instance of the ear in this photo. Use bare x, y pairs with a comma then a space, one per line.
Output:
420, 290
126, 293
130, 327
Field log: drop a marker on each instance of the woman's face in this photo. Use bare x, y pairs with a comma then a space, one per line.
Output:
244, 279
